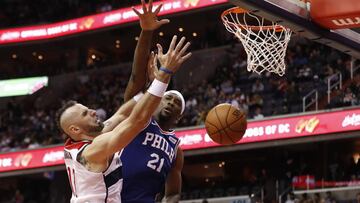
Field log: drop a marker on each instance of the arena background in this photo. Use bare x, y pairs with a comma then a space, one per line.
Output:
303, 128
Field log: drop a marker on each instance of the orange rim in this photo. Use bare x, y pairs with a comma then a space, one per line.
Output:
238, 10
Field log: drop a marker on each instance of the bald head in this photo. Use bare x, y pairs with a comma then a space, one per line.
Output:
78, 121
70, 116
61, 111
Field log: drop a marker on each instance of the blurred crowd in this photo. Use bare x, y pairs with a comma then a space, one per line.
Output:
25, 126
264, 182
328, 197
309, 66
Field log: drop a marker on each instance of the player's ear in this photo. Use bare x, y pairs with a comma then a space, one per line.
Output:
74, 129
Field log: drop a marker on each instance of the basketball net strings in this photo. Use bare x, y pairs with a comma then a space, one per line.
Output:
265, 47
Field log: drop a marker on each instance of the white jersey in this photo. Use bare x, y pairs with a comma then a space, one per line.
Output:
91, 187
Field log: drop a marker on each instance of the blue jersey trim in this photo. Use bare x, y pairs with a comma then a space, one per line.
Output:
172, 132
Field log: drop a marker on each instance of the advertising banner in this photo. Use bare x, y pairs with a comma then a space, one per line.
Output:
281, 128
93, 22
257, 131
32, 159
22, 86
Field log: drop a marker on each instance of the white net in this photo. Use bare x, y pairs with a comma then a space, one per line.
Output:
265, 45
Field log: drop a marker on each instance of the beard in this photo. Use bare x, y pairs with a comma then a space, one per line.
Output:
167, 117
95, 129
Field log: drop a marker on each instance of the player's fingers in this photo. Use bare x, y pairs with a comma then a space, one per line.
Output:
157, 10
155, 62
150, 5
143, 6
183, 50
160, 50
136, 11
172, 44
164, 21
179, 45
151, 57
186, 57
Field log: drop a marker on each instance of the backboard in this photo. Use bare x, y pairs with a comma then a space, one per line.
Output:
295, 14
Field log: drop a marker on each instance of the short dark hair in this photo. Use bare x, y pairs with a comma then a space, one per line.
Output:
60, 112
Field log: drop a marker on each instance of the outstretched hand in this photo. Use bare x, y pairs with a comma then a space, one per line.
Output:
175, 56
152, 66
148, 19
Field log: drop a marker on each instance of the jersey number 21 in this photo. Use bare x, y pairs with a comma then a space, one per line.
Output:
154, 162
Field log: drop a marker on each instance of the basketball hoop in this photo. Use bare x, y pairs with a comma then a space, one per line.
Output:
264, 44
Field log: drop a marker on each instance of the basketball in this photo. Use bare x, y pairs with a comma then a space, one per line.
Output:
225, 124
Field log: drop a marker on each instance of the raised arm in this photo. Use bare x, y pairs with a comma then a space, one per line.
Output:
148, 23
121, 114
108, 143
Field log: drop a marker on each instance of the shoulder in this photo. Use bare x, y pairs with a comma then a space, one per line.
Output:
77, 145
91, 163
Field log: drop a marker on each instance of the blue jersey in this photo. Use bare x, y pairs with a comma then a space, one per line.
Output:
147, 161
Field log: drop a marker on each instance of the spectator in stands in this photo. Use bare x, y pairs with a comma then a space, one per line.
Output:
257, 86
258, 114
205, 201
227, 86
101, 113
335, 168
316, 198
239, 65
329, 198
304, 198
256, 101
357, 197
304, 72
291, 198
329, 71
235, 101
243, 104
201, 118
349, 97
282, 87
18, 198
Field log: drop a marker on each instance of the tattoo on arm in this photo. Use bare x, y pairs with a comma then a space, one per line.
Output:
82, 160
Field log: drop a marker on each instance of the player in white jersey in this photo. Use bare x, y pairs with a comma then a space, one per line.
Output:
104, 185
92, 150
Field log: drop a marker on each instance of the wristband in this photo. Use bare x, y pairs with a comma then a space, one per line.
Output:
138, 96
166, 70
157, 88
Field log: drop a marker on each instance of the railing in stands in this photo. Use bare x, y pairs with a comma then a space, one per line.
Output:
312, 100
341, 194
233, 199
284, 193
352, 68
333, 81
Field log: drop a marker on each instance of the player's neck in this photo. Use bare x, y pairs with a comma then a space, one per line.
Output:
165, 124
87, 137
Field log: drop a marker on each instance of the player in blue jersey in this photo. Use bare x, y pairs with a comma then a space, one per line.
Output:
152, 160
